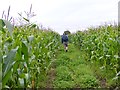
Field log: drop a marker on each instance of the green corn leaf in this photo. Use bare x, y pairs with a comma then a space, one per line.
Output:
25, 19
9, 26
8, 61
33, 25
31, 38
6, 78
7, 65
22, 75
21, 82
0, 75
2, 24
25, 51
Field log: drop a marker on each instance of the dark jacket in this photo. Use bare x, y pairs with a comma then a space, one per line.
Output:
64, 38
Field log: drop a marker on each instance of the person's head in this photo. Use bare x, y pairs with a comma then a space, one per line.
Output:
64, 34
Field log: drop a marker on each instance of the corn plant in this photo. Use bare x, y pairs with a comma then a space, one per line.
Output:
101, 46
26, 55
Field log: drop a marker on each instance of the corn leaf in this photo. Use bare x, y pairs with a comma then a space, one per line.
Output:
9, 26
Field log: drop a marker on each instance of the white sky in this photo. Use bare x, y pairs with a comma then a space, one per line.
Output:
61, 15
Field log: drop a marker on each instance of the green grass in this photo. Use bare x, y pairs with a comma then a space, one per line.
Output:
73, 71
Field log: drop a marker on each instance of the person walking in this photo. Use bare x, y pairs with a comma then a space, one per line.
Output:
65, 41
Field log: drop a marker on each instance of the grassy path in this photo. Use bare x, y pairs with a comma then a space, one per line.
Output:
70, 70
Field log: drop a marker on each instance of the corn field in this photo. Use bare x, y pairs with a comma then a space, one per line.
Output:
101, 46
26, 53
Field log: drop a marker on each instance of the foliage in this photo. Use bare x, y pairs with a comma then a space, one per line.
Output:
27, 52
26, 55
101, 46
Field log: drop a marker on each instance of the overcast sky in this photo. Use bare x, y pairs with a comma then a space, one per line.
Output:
61, 15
